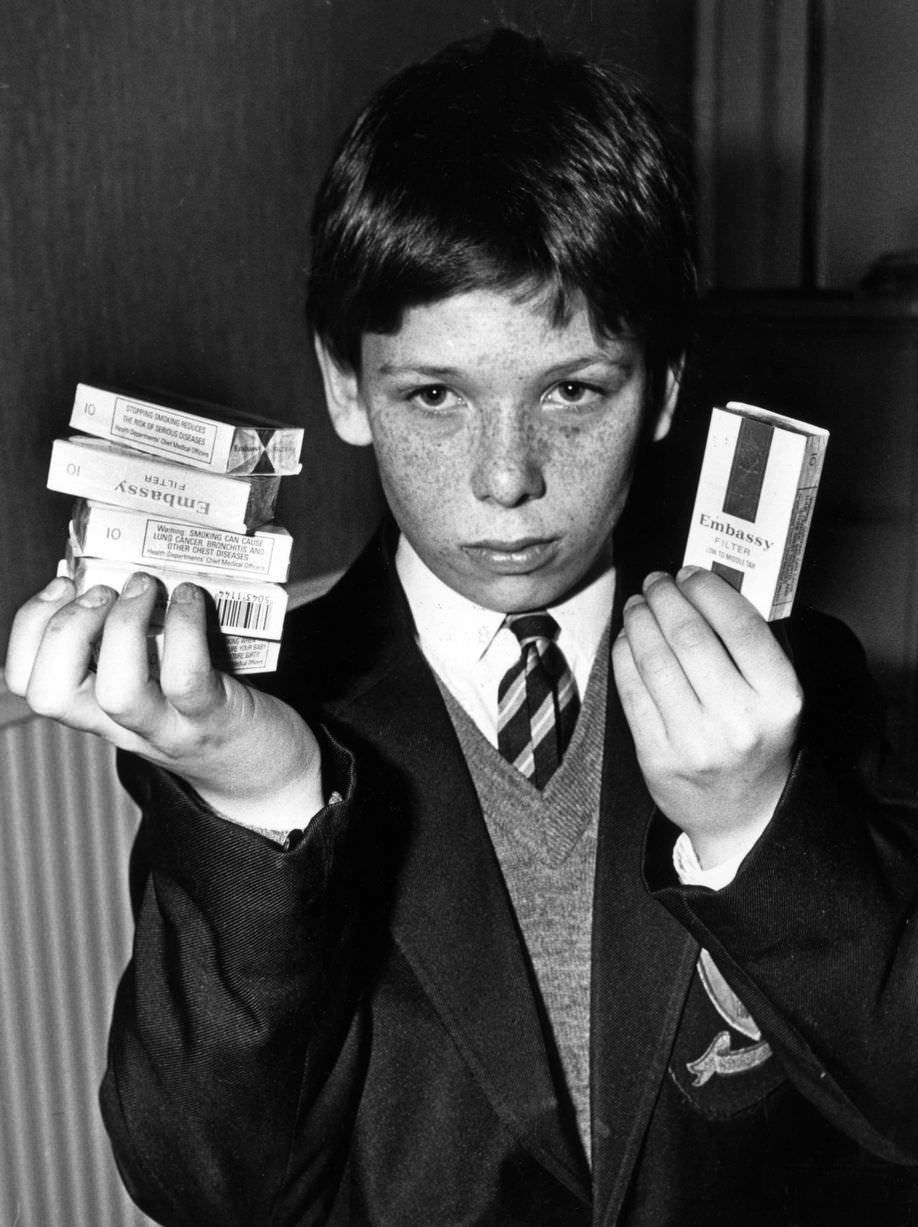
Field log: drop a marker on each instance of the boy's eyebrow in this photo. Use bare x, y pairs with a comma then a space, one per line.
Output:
619, 356
417, 368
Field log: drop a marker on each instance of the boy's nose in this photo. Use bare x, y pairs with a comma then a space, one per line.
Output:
508, 467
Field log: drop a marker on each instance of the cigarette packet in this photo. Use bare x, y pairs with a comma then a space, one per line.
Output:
249, 608
97, 469
103, 531
192, 432
231, 653
755, 501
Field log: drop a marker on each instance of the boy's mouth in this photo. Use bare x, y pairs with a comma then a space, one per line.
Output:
513, 557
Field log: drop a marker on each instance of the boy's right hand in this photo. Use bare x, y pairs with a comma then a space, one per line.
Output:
249, 755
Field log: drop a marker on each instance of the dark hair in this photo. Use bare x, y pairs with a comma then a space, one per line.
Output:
500, 164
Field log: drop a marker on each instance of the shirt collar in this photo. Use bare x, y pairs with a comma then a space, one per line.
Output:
441, 615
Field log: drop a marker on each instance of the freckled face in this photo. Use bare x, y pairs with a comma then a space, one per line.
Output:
505, 445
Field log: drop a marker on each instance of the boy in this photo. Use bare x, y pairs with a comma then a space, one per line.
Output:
510, 942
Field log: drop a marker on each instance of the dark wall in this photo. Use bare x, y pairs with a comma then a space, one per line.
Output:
157, 163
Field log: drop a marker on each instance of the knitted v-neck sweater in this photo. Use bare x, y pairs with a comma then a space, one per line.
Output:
546, 845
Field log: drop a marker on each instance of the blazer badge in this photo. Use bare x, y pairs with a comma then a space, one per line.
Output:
720, 1057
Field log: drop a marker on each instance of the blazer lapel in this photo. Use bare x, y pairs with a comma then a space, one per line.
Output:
452, 917
642, 963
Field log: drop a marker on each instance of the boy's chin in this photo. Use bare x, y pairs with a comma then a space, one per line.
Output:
518, 593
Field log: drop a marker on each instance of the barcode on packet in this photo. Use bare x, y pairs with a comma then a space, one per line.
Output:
242, 613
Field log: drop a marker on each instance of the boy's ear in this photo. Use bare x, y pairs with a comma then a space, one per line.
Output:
670, 396
343, 399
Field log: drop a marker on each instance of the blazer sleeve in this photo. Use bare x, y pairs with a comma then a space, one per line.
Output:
236, 1045
818, 932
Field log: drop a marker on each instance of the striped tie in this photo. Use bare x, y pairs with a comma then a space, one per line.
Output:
537, 700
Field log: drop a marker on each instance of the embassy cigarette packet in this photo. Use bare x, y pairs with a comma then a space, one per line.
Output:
96, 469
192, 432
103, 531
249, 608
755, 501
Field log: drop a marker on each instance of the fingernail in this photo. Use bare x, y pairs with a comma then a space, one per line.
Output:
96, 596
137, 584
184, 594
685, 572
637, 599
653, 577
56, 589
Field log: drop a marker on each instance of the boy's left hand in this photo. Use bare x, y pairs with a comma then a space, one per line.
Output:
714, 707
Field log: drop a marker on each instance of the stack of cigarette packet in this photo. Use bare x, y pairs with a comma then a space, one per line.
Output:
185, 492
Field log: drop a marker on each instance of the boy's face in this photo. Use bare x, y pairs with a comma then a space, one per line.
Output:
505, 445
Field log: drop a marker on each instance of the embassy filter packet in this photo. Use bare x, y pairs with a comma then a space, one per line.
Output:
754, 503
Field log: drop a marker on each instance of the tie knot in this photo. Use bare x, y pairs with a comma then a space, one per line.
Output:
529, 627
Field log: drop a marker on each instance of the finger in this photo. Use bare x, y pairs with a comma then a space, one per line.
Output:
61, 684
658, 668
187, 676
742, 629
641, 712
702, 656
28, 630
124, 689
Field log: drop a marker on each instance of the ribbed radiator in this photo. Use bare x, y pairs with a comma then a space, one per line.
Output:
65, 836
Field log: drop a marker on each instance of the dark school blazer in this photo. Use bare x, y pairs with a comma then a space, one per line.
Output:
349, 1032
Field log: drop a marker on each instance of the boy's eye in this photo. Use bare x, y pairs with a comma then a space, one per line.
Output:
574, 394
432, 396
